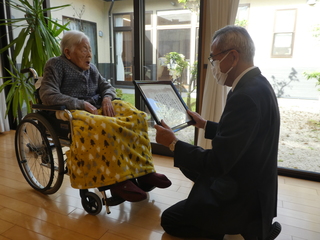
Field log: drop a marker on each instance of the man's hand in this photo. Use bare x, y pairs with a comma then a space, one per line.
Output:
200, 122
107, 107
164, 135
90, 108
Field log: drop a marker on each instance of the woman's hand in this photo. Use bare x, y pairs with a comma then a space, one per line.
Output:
199, 121
90, 108
107, 107
165, 135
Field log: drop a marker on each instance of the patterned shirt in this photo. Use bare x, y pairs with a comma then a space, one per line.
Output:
64, 83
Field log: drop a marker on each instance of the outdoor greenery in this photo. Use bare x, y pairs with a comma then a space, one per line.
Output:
176, 63
36, 42
241, 23
316, 31
127, 97
315, 75
192, 5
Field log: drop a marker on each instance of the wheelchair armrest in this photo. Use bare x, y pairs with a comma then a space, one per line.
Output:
53, 107
49, 108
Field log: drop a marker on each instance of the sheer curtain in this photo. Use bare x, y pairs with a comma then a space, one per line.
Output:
219, 14
4, 123
119, 49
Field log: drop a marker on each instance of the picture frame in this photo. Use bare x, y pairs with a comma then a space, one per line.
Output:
164, 103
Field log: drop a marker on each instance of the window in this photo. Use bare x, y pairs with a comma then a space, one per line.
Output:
168, 29
173, 17
242, 18
123, 44
149, 69
283, 36
174, 35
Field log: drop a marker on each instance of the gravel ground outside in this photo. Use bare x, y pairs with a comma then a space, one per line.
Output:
299, 143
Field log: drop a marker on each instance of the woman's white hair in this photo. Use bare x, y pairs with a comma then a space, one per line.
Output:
72, 38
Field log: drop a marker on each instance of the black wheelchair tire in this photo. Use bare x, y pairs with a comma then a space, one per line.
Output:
43, 170
91, 203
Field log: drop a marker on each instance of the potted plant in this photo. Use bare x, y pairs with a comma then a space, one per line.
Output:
37, 41
21, 90
176, 63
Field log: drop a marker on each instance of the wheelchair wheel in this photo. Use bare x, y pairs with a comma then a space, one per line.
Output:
91, 202
39, 154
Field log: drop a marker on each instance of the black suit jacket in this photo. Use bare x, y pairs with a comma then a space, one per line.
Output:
236, 190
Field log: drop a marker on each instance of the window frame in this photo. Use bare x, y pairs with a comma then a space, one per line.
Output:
115, 30
277, 33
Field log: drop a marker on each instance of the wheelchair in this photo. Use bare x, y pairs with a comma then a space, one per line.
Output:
41, 141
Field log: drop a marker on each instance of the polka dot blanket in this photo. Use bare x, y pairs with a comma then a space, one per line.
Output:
107, 150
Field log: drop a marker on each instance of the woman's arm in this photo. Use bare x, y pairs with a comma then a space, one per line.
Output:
50, 93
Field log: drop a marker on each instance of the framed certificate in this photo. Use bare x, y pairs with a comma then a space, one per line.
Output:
165, 103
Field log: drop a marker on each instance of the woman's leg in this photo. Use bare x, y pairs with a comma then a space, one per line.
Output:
151, 180
175, 222
128, 191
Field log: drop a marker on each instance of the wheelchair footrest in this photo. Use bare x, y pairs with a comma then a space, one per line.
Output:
113, 201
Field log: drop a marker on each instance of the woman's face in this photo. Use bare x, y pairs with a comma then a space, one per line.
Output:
81, 54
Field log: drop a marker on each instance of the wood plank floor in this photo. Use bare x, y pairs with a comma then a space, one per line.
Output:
26, 214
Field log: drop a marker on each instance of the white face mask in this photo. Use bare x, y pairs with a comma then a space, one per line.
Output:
219, 76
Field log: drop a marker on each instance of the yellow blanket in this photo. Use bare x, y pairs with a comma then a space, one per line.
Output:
107, 150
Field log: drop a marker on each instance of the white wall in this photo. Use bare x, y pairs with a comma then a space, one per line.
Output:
95, 11
304, 58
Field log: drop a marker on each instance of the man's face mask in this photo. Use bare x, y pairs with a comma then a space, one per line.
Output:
219, 76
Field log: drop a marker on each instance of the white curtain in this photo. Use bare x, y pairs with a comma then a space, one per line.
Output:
219, 14
4, 123
119, 49
120, 65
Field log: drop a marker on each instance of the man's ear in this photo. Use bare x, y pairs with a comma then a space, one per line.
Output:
66, 52
236, 57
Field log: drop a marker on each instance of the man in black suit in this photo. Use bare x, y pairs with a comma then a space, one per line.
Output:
235, 182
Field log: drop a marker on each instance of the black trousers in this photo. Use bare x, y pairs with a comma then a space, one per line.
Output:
175, 222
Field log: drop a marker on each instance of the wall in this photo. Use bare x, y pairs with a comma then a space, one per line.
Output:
95, 11
304, 58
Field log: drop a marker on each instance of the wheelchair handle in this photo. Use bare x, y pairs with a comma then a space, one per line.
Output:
32, 72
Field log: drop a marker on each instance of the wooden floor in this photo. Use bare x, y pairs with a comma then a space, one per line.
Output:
26, 214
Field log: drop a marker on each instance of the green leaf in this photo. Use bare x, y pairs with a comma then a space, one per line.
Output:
56, 8
39, 44
8, 46
12, 22
15, 105
25, 56
20, 40
26, 3
5, 84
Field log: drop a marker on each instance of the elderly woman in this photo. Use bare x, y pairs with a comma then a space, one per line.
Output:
110, 144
